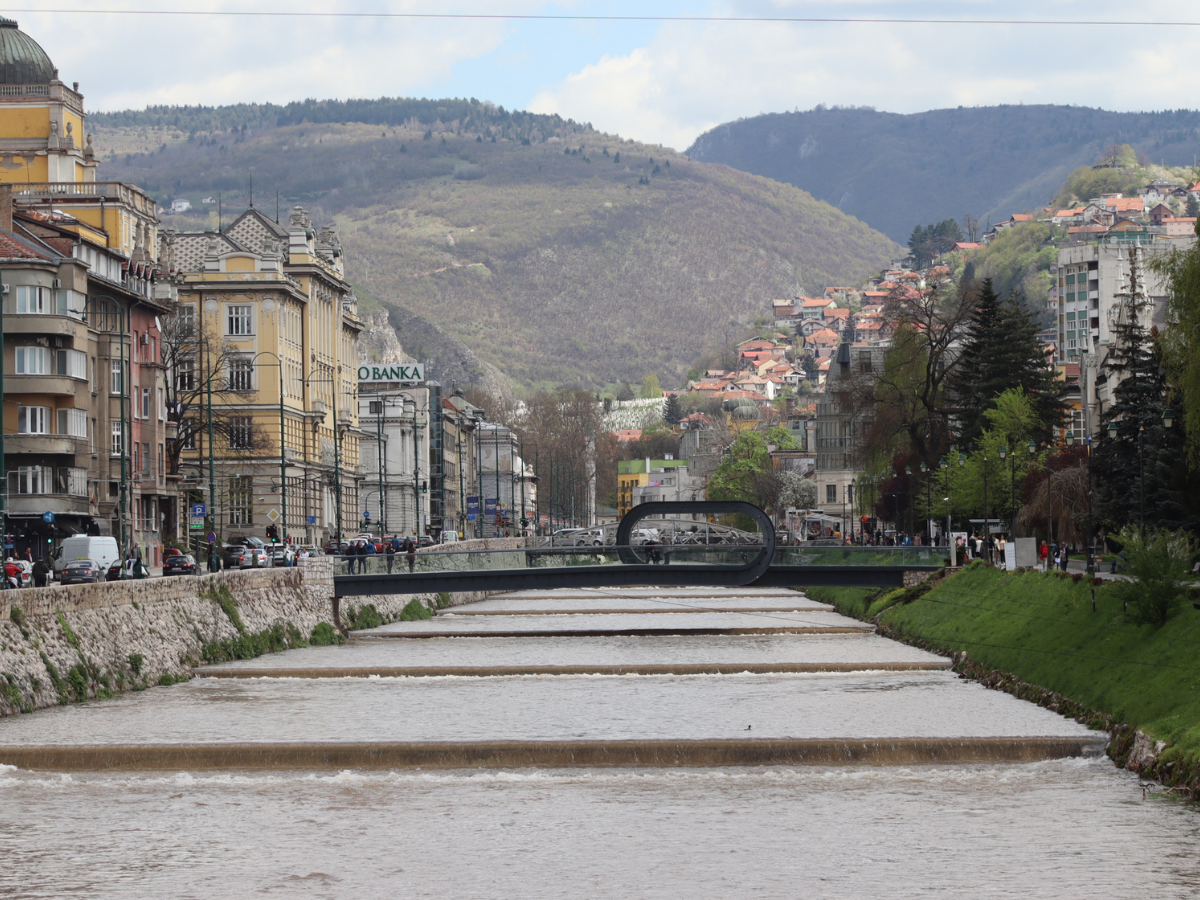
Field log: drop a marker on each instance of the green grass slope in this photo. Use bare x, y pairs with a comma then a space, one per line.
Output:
1041, 628
895, 171
555, 253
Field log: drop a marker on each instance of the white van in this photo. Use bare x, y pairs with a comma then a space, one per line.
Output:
102, 549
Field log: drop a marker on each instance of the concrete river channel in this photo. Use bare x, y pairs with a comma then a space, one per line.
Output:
673, 743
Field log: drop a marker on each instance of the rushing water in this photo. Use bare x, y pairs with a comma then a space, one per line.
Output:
1057, 829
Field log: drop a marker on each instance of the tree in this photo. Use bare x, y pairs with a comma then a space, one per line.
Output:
1002, 350
1142, 470
1181, 344
200, 367
929, 241
624, 392
796, 491
650, 387
1193, 207
1160, 567
907, 405
672, 410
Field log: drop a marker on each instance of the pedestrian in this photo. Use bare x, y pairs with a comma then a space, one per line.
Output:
1044, 556
351, 557
40, 571
390, 550
369, 547
410, 550
1063, 556
1000, 545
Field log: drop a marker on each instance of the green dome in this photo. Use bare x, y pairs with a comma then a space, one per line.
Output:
22, 61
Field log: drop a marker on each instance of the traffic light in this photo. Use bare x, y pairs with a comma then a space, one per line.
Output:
272, 533
424, 487
524, 522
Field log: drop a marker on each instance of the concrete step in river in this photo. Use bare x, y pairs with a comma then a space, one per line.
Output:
577, 743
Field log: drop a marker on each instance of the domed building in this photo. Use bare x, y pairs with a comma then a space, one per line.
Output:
41, 119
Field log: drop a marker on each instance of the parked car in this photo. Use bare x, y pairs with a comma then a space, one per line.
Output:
336, 548
451, 537
255, 557
280, 555
81, 571
593, 537
424, 540
180, 564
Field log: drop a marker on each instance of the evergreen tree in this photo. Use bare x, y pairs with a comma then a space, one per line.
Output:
1002, 351
672, 410
1142, 470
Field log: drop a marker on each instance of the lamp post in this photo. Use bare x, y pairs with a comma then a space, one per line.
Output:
986, 517
1049, 500
122, 317
337, 456
928, 502
1012, 520
912, 521
282, 438
1168, 419
1091, 543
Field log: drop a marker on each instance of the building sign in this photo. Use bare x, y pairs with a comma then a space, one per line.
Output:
390, 374
489, 507
472, 509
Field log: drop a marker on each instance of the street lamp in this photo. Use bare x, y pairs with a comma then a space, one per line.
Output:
1168, 418
1091, 541
928, 501
1032, 445
337, 454
945, 466
1012, 519
282, 437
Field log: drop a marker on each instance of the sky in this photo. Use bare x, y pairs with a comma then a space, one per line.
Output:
657, 80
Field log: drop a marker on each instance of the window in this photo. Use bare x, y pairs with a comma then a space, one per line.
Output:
161, 470
72, 363
33, 420
137, 456
32, 361
30, 480
375, 407
116, 439
145, 403
241, 374
162, 406
239, 321
69, 303
73, 422
831, 493
241, 499
31, 300
71, 480
187, 320
146, 459
117, 385
240, 432
92, 437
185, 374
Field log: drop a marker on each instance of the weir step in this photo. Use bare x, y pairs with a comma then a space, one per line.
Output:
616, 632
545, 754
630, 669
458, 611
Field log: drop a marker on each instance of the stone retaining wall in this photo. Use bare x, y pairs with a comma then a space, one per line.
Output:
64, 643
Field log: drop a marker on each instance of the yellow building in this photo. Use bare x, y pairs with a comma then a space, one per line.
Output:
277, 327
84, 406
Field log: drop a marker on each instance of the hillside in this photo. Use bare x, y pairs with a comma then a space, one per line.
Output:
551, 251
895, 171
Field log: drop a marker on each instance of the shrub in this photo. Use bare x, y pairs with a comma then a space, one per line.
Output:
1159, 567
363, 617
223, 597
325, 635
415, 611
135, 663
443, 599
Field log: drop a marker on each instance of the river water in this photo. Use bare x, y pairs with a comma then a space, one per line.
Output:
1061, 828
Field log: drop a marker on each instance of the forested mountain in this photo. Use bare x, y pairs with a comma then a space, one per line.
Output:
552, 251
893, 171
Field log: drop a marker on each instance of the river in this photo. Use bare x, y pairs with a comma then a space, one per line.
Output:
1058, 827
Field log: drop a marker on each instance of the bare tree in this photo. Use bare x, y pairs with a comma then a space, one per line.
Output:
907, 405
971, 227
195, 362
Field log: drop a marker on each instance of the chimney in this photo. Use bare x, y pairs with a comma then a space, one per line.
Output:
6, 207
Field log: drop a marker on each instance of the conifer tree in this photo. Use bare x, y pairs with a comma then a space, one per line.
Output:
672, 411
1001, 350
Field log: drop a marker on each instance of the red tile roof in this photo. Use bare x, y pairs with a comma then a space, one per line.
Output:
12, 247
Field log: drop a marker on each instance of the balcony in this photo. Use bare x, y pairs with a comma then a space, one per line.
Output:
44, 445
36, 504
43, 324
69, 192
61, 385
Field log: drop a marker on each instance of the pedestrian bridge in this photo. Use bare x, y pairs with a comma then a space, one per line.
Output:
763, 564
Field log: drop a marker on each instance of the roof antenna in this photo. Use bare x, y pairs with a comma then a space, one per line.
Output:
277, 207
252, 189
218, 212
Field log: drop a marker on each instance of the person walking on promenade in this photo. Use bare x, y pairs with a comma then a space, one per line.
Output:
410, 550
390, 550
1044, 556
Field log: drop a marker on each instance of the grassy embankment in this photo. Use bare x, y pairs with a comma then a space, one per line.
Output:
1041, 629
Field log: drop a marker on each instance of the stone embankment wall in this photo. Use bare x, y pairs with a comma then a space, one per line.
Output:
75, 642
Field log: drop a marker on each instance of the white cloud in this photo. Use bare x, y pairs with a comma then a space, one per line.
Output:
127, 61
691, 77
